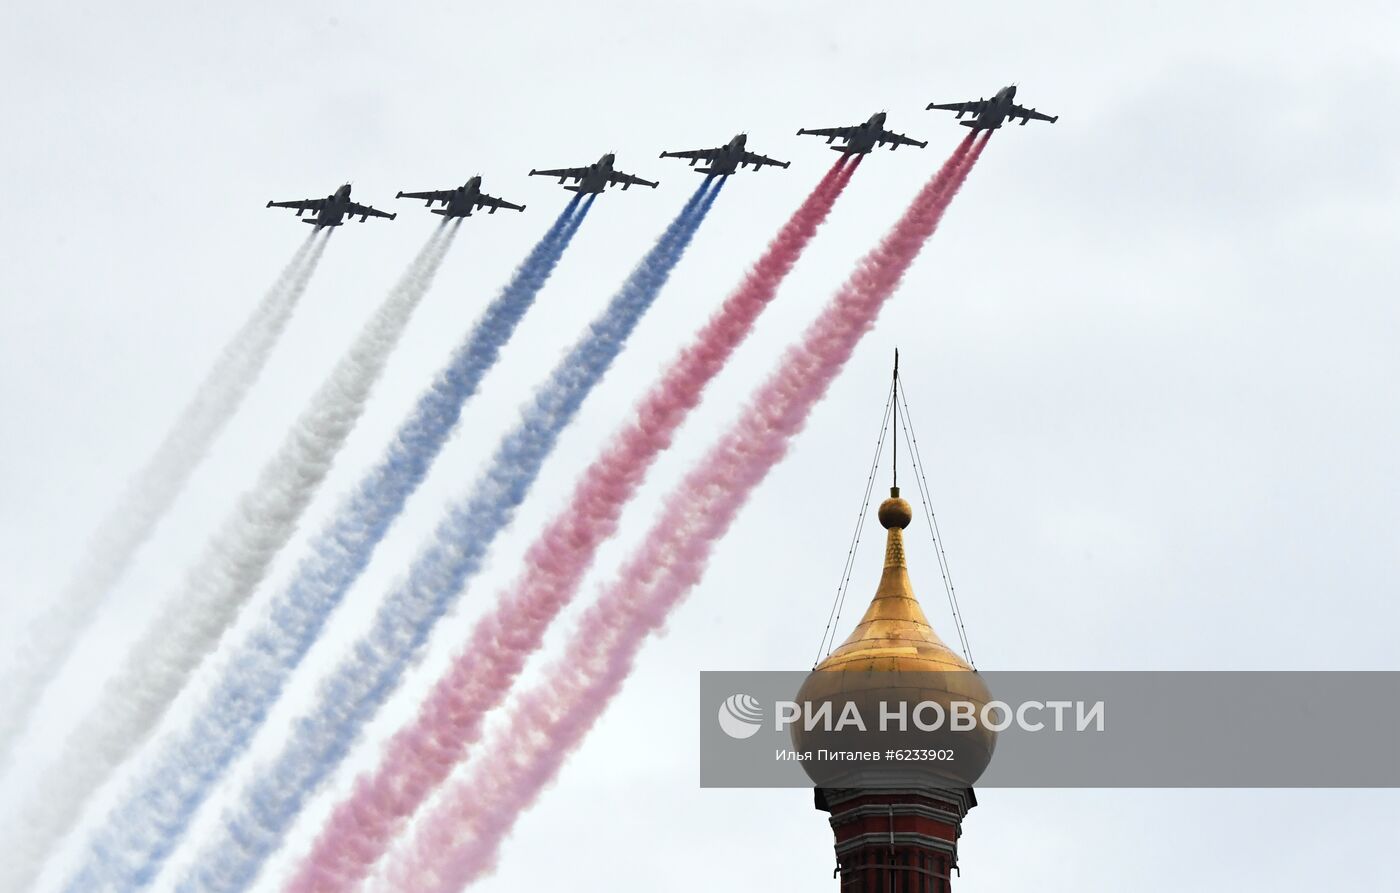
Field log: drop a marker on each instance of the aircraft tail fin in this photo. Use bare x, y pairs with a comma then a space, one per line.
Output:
574, 188
972, 123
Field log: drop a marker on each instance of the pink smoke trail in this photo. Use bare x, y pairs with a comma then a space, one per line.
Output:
457, 842
421, 756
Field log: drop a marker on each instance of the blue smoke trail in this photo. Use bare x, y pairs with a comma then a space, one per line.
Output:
355, 690
136, 837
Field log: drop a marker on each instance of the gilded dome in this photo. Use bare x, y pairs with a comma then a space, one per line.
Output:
893, 653
894, 634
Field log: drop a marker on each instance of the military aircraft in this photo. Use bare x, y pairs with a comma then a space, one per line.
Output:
332, 210
861, 138
596, 177
988, 114
724, 160
460, 202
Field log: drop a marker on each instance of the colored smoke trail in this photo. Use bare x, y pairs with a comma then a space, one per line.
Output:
136, 838
374, 666
457, 842
420, 756
149, 495
233, 563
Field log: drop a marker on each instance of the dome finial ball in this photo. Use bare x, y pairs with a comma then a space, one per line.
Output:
895, 512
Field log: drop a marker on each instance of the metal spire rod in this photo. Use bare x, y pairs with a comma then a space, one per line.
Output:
894, 423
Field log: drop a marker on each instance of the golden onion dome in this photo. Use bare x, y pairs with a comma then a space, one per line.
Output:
894, 634
893, 654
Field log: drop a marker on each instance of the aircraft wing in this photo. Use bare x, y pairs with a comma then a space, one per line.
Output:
355, 209
490, 201
1026, 114
310, 204
830, 133
434, 195
759, 161
696, 154
972, 106
899, 139
629, 180
575, 173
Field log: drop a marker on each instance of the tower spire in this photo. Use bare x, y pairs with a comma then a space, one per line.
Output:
895, 828
894, 424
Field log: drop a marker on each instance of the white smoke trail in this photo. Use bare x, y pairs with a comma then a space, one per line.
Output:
220, 582
149, 494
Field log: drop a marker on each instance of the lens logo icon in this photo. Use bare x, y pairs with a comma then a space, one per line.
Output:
741, 716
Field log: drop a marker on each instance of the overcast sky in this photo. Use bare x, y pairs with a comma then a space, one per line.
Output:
1150, 357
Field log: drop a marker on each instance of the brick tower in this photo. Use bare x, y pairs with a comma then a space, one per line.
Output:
896, 840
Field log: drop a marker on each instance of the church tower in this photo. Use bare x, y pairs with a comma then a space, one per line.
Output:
897, 834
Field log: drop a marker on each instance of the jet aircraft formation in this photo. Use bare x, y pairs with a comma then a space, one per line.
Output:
720, 161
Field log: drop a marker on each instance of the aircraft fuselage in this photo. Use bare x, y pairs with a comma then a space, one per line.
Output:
994, 115
863, 141
464, 199
991, 114
333, 212
729, 158
597, 177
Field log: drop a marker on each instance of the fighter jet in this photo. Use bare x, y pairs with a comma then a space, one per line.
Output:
988, 114
460, 202
332, 210
596, 177
861, 138
724, 160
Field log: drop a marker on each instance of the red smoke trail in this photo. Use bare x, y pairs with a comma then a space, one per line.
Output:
458, 840
423, 754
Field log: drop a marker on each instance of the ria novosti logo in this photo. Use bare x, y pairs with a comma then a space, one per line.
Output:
741, 716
